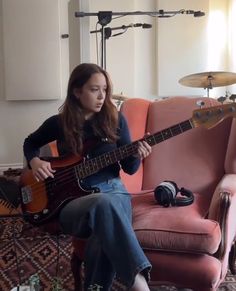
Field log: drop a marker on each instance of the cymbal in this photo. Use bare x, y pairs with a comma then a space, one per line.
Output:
209, 79
119, 97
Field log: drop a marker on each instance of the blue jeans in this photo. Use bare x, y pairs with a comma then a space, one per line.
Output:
112, 249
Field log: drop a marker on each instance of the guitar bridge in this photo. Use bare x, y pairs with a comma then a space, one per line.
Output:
26, 195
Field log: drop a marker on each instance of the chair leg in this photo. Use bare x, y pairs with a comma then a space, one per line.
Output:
76, 268
232, 257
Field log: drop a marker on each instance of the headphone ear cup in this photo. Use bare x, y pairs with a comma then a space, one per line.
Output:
188, 200
165, 193
162, 196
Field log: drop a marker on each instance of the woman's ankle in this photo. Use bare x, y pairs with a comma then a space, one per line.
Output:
140, 283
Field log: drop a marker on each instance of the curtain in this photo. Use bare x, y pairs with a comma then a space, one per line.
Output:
232, 40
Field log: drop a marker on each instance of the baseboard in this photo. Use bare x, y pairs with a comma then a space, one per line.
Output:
4, 167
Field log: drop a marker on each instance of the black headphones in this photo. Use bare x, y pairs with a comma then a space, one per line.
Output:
165, 195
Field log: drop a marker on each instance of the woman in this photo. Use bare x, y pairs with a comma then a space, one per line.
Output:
89, 117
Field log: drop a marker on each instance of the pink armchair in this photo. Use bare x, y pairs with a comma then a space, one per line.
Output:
190, 246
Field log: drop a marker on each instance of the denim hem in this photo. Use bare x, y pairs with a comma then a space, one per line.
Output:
146, 273
144, 269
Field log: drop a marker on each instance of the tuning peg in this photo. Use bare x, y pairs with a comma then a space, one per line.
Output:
233, 97
200, 103
221, 99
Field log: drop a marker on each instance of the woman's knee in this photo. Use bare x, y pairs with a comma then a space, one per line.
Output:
114, 203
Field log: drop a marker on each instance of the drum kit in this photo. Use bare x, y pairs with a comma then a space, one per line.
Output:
209, 80
205, 80
119, 99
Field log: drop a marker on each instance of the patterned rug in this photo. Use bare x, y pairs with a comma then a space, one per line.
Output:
25, 251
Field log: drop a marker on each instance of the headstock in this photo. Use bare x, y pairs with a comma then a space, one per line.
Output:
211, 116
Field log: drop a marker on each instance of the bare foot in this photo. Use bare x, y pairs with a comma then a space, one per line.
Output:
140, 283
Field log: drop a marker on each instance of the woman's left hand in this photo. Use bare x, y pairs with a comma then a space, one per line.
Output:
144, 149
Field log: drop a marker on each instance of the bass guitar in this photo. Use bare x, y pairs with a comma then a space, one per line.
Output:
41, 201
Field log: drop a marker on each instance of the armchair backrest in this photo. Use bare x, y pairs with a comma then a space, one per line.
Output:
136, 111
194, 159
230, 161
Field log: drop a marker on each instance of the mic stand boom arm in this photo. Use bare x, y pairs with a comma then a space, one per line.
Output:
105, 17
159, 13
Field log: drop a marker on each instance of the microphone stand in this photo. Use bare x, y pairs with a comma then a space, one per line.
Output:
105, 17
106, 33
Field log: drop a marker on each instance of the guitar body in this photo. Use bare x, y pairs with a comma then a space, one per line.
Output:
41, 201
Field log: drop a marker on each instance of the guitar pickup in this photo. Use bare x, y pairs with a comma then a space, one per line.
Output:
26, 195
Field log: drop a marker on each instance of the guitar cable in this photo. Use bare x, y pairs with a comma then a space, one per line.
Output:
12, 207
16, 256
18, 214
8, 203
14, 216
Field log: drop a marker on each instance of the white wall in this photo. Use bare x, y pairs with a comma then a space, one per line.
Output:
189, 45
142, 63
182, 46
145, 53
19, 118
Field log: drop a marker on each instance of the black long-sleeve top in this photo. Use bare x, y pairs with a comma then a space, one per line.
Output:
52, 130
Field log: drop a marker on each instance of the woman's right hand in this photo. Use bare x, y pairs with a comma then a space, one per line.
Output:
41, 169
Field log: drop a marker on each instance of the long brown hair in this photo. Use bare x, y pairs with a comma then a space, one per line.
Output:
106, 121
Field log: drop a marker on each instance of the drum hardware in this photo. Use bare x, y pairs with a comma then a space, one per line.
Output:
119, 99
221, 99
233, 97
200, 103
209, 80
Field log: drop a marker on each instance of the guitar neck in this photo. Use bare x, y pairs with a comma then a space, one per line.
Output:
92, 166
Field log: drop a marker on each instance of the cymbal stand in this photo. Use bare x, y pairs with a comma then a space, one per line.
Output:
208, 91
209, 78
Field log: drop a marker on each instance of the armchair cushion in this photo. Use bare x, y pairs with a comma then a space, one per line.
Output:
175, 229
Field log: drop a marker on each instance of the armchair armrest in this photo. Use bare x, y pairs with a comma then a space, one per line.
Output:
222, 209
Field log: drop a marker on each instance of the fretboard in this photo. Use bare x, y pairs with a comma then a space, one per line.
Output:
91, 166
